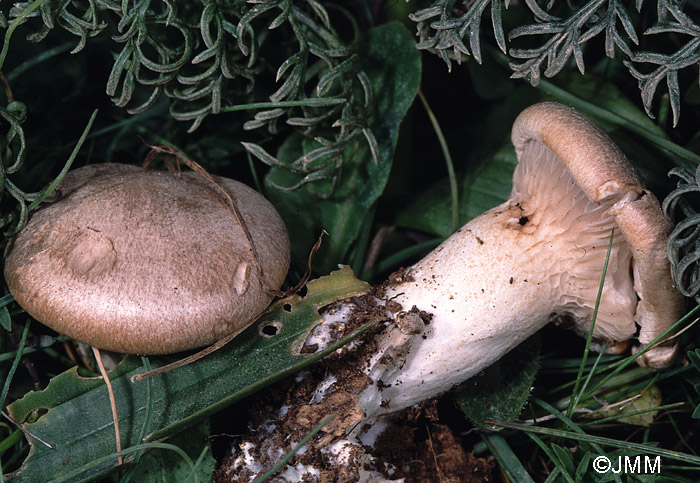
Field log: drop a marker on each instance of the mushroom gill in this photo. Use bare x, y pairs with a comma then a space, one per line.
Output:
558, 211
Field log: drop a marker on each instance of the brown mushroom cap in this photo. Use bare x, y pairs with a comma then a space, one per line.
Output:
147, 262
573, 178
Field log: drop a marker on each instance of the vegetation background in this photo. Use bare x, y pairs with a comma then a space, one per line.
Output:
386, 124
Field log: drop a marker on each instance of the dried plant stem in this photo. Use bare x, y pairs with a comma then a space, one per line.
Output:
112, 401
222, 342
25, 431
197, 168
190, 359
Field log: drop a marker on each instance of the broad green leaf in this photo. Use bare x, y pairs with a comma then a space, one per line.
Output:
489, 81
499, 392
392, 64
159, 466
485, 185
73, 413
483, 176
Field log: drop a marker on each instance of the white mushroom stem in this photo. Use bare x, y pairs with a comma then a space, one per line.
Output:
482, 306
538, 257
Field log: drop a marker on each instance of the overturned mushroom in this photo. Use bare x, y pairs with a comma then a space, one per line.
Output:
148, 262
536, 258
539, 257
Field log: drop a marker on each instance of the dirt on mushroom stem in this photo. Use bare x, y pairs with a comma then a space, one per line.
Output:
304, 404
337, 386
417, 446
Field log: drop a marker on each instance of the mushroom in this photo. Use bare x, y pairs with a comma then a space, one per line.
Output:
148, 262
536, 258
539, 257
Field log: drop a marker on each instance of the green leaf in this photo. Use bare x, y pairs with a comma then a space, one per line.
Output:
507, 460
484, 173
488, 80
158, 466
499, 392
485, 185
392, 63
73, 414
5, 321
583, 467
564, 456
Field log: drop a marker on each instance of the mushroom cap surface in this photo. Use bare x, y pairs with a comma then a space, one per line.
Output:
572, 178
147, 262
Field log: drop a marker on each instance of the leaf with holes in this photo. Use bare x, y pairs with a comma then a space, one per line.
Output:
73, 413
